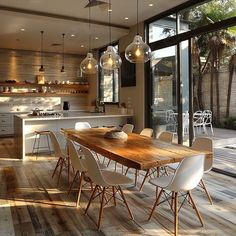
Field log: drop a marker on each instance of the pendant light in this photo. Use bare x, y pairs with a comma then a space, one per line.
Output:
138, 51
110, 60
63, 54
41, 69
89, 64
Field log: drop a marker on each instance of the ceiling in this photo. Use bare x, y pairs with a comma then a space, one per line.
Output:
70, 17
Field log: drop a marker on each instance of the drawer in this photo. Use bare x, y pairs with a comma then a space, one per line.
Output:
8, 119
6, 130
6, 116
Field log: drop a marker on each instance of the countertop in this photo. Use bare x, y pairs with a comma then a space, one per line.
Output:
73, 115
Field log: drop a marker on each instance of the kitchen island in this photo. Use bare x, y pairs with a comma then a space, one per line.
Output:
25, 126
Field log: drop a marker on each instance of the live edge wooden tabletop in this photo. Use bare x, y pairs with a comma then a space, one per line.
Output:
137, 151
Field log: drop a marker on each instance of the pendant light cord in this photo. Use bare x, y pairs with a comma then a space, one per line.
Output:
63, 49
41, 54
109, 19
137, 19
89, 28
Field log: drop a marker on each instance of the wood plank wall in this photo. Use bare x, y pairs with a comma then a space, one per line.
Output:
23, 65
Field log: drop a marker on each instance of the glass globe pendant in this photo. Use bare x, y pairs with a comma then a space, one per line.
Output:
89, 64
138, 51
110, 60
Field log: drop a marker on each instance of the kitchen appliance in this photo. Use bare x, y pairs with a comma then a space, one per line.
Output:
66, 105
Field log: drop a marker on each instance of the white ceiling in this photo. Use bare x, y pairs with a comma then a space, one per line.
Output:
12, 21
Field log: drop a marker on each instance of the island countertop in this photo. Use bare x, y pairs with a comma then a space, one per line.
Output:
73, 115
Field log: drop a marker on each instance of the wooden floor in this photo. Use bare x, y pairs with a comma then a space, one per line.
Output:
30, 204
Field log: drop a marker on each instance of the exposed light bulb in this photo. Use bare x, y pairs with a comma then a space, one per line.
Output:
89, 65
137, 52
110, 61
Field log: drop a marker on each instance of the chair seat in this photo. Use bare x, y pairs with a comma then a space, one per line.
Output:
173, 166
162, 181
43, 132
116, 179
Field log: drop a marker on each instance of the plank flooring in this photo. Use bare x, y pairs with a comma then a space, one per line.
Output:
30, 204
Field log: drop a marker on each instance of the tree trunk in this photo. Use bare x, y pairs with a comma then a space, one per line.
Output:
199, 89
217, 96
232, 68
211, 86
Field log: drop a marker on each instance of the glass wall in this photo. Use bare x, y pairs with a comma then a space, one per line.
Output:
164, 113
196, 84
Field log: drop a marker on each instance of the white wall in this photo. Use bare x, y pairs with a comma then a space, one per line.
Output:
135, 94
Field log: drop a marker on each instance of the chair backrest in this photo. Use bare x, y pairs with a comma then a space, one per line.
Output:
207, 116
147, 132
82, 125
166, 136
128, 128
56, 145
93, 169
170, 117
74, 157
204, 144
198, 118
188, 174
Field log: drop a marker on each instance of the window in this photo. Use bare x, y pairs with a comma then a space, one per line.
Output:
109, 82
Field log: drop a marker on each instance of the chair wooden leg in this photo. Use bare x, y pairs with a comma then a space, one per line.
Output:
126, 170
136, 178
207, 193
172, 200
176, 213
68, 169
108, 163
114, 195
101, 207
155, 204
195, 207
59, 176
72, 183
80, 188
126, 203
144, 179
58, 163
91, 198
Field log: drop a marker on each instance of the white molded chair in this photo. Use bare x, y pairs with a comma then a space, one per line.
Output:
207, 121
63, 160
164, 136
79, 167
198, 122
187, 177
103, 180
201, 144
82, 125
128, 128
148, 133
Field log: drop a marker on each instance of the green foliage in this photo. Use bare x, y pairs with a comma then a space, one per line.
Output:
230, 123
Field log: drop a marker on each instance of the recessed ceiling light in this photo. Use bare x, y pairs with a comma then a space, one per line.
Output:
82, 46
126, 18
150, 4
109, 9
72, 35
96, 38
22, 29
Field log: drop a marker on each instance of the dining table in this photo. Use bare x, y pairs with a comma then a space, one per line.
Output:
135, 151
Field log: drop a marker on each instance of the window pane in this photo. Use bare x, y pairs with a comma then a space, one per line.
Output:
162, 28
109, 83
164, 113
207, 13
